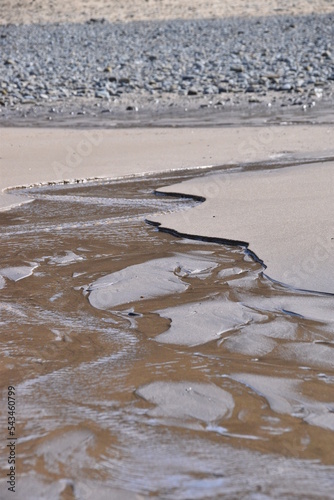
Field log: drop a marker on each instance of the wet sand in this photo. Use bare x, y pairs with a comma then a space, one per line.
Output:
149, 364
284, 216
250, 361
252, 205
96, 302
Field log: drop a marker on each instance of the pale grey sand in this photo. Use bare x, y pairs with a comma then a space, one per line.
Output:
68, 258
33, 156
318, 354
285, 396
44, 11
144, 281
316, 307
260, 339
182, 400
285, 216
198, 323
17, 273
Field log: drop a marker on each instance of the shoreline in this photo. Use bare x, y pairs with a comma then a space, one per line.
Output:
169, 316
184, 115
123, 341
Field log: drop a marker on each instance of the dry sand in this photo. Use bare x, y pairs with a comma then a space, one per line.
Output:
285, 216
32, 156
44, 11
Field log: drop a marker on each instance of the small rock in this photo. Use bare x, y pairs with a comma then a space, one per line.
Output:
286, 86
102, 94
94, 20
27, 99
253, 99
237, 69
326, 54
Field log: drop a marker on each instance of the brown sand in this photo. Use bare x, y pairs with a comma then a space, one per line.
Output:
44, 11
239, 386
274, 395
78, 367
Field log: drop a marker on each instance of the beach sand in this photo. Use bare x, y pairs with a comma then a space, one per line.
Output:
33, 156
125, 342
41, 11
100, 375
284, 216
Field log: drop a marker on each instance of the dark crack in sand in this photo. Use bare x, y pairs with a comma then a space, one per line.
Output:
149, 365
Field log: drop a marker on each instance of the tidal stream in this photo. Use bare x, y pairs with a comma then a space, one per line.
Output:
147, 365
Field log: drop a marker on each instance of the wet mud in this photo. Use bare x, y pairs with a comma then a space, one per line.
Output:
147, 365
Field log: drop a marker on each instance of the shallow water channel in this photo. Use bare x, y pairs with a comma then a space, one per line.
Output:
147, 365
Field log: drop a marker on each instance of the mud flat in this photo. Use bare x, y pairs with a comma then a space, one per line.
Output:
284, 215
124, 342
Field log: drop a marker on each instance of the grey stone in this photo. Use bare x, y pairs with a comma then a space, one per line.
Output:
235, 56
237, 69
102, 94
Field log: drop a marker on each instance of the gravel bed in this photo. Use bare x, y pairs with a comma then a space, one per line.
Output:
279, 61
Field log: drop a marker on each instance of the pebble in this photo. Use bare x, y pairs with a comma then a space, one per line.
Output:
102, 94
156, 60
254, 99
286, 86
